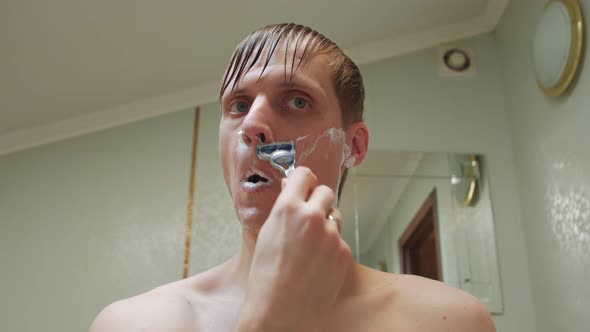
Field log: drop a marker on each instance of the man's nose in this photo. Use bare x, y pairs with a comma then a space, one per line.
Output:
256, 125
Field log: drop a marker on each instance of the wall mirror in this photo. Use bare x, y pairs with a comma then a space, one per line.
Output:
557, 46
406, 212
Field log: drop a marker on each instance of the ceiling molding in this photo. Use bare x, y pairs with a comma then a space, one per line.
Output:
110, 118
17, 140
386, 48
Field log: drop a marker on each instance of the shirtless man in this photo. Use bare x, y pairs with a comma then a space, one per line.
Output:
293, 271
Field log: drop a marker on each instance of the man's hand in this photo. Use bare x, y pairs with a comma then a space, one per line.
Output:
300, 260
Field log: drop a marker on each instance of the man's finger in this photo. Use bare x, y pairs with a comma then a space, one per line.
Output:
300, 184
322, 197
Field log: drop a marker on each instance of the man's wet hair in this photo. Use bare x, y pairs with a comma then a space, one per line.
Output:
305, 43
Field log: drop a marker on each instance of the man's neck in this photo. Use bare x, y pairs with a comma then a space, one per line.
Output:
239, 269
244, 257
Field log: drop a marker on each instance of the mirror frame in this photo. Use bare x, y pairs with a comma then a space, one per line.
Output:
473, 177
575, 51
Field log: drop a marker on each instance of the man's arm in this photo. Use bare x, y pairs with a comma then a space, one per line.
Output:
146, 313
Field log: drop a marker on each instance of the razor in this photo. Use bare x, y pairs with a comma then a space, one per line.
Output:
280, 155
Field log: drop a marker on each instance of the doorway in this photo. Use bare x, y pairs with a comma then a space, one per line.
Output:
419, 245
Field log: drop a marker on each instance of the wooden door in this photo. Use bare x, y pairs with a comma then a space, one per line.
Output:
419, 245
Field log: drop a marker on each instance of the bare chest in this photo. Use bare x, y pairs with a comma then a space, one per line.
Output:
353, 315
215, 315
367, 315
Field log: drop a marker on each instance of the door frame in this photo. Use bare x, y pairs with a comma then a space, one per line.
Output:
416, 231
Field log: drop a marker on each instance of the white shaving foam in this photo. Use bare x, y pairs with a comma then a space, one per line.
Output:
349, 160
335, 136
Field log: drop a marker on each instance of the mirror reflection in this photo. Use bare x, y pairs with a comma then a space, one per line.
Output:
407, 213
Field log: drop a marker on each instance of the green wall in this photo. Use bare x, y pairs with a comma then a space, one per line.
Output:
90, 220
552, 159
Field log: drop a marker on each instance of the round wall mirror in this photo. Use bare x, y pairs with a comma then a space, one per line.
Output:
557, 46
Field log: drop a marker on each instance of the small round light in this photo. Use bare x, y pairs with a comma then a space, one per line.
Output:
457, 60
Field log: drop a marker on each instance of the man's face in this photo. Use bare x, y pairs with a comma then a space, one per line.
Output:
303, 109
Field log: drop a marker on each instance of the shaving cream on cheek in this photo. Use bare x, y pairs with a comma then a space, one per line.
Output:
303, 151
348, 160
246, 210
239, 148
335, 139
335, 136
309, 144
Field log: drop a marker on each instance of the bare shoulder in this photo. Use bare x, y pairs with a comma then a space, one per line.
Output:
173, 307
435, 306
152, 311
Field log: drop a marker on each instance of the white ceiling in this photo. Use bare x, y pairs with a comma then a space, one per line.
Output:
71, 67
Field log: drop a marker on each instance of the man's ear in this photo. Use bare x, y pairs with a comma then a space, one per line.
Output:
359, 142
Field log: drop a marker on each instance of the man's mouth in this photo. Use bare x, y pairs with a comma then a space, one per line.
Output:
256, 181
255, 178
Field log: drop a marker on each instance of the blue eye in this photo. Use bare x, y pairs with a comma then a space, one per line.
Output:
239, 107
298, 103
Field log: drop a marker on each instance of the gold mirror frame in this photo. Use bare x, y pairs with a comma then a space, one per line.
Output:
575, 51
473, 182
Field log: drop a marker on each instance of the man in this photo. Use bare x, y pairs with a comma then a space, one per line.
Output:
293, 271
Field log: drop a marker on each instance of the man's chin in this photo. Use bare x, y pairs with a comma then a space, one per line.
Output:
252, 218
